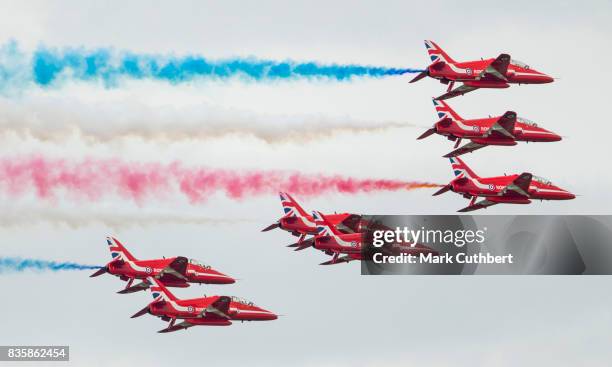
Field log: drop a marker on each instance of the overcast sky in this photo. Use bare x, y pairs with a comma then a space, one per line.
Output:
332, 315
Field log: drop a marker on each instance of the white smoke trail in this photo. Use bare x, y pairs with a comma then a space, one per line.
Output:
59, 117
31, 216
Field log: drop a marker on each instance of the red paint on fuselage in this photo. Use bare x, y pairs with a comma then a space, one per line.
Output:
343, 243
477, 129
306, 224
193, 308
140, 269
491, 186
469, 73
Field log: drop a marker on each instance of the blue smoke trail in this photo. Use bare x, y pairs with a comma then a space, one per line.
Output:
16, 264
47, 66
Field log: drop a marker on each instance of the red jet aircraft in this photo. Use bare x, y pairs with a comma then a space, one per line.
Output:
490, 73
335, 243
350, 245
297, 222
512, 189
209, 311
501, 130
173, 271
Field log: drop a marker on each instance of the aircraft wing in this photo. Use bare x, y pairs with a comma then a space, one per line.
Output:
175, 271
520, 186
350, 224
180, 326
186, 325
135, 288
338, 260
478, 205
504, 126
459, 91
497, 68
467, 148
507, 121
299, 246
218, 308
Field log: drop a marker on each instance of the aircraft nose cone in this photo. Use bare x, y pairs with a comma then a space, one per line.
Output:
267, 315
547, 79
225, 279
565, 195
569, 196
555, 137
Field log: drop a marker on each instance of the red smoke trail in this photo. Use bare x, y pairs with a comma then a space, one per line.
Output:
92, 179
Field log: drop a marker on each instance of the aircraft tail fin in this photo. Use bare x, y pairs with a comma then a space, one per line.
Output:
445, 111
159, 291
436, 54
460, 169
290, 206
324, 227
117, 250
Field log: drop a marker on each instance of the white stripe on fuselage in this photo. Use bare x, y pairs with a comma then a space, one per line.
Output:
538, 132
536, 189
484, 129
486, 187
469, 128
142, 269
343, 243
476, 72
339, 241
482, 186
179, 308
196, 273
252, 312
